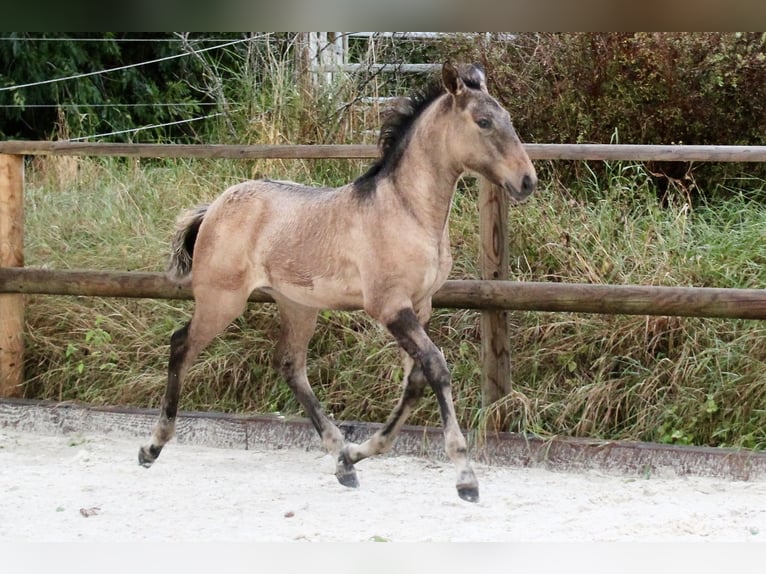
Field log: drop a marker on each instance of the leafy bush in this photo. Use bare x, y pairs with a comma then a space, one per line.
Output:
640, 88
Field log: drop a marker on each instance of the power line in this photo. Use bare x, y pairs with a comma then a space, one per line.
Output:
75, 106
47, 39
120, 68
134, 130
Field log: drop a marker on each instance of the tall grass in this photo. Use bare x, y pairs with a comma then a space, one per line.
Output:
668, 379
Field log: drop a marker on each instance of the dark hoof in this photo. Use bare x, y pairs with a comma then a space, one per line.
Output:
348, 479
468, 493
147, 456
345, 471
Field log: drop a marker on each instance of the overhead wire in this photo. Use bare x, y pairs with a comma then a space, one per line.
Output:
120, 68
134, 130
74, 106
49, 39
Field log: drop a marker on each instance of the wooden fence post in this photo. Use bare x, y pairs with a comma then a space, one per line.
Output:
11, 255
495, 339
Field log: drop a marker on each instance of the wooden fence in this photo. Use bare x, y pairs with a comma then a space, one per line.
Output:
494, 295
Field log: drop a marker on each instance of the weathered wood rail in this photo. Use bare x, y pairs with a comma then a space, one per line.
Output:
571, 152
494, 294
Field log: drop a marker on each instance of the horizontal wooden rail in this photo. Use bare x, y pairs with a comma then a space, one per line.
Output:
596, 152
201, 151
469, 294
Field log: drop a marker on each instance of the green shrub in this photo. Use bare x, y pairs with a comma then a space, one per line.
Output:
639, 88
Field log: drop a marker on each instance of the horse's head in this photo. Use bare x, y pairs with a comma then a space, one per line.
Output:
483, 137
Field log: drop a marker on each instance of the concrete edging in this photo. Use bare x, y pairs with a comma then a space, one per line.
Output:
503, 449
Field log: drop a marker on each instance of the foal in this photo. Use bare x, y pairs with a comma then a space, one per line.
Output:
380, 243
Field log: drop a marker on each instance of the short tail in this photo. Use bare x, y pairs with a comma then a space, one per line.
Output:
182, 246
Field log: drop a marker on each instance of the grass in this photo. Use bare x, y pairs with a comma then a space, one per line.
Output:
667, 379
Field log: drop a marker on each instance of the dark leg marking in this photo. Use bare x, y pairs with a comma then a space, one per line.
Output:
169, 409
413, 339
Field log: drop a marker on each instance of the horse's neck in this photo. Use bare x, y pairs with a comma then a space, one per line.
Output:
425, 180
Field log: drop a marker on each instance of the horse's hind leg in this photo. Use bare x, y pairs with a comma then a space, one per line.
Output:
213, 311
165, 427
297, 327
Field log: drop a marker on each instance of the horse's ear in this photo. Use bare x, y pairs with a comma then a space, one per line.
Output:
451, 79
475, 77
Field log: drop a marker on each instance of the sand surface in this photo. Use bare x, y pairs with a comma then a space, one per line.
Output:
90, 488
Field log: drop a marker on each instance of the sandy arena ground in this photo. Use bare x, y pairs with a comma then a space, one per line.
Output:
90, 488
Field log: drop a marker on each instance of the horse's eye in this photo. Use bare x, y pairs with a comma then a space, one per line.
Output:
484, 123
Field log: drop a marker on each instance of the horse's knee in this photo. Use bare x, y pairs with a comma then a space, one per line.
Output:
436, 370
414, 385
289, 361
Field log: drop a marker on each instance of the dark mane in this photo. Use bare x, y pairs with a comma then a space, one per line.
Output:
395, 133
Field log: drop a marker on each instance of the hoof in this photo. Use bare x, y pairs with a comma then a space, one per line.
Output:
348, 479
468, 493
147, 456
345, 471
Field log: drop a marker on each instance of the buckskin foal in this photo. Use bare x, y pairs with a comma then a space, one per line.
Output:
380, 243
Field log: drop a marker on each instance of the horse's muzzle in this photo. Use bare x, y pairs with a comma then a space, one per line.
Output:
520, 194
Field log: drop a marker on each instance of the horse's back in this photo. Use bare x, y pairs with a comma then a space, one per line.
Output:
274, 190
262, 204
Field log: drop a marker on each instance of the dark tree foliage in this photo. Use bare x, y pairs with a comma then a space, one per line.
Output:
637, 88
146, 95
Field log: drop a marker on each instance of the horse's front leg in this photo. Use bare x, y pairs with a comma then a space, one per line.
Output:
428, 366
383, 440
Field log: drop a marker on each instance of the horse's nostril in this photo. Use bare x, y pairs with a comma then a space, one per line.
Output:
527, 185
